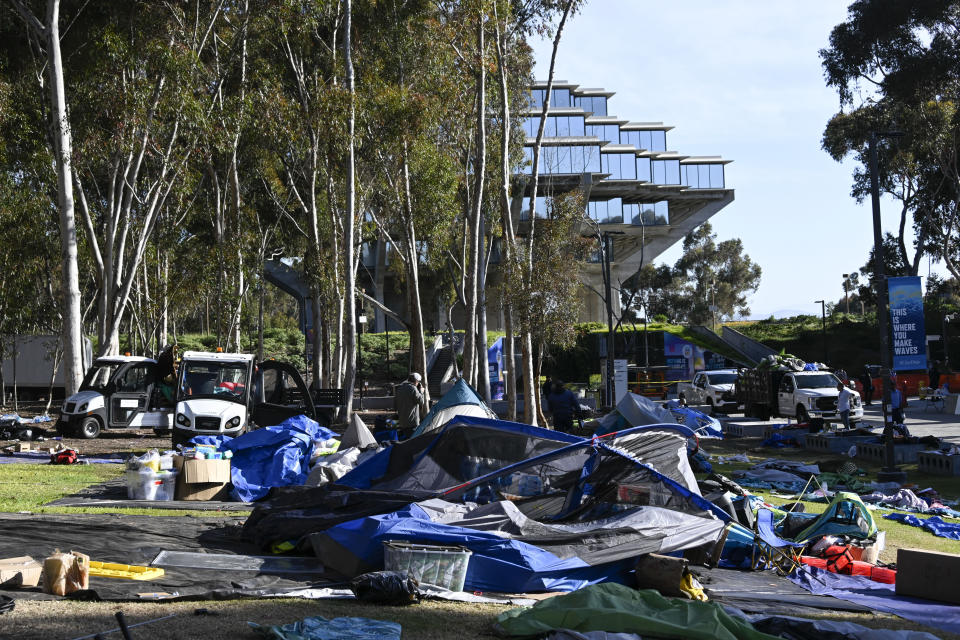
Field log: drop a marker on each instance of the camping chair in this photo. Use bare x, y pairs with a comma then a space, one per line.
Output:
932, 398
771, 550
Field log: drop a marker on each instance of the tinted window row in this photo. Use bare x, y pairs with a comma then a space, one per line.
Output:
665, 171
565, 159
620, 166
597, 105
608, 132
560, 98
702, 176
615, 211
646, 140
557, 126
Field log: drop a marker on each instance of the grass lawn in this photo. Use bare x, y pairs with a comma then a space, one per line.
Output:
27, 487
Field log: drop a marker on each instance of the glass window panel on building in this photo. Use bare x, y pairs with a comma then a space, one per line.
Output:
536, 98
645, 141
561, 98
551, 130
563, 126
673, 171
716, 176
628, 168
659, 172
661, 210
703, 172
576, 126
591, 159
643, 169
658, 141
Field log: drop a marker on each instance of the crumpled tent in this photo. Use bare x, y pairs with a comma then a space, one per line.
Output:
272, 456
582, 509
845, 515
357, 435
461, 400
635, 410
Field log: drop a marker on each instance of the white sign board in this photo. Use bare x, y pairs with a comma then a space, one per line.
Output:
619, 379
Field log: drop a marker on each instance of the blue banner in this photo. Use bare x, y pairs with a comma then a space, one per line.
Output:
906, 318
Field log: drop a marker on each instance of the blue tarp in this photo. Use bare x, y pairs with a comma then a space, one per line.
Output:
270, 457
497, 563
935, 525
319, 628
878, 596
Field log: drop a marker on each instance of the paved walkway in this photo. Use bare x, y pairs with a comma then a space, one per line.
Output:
921, 420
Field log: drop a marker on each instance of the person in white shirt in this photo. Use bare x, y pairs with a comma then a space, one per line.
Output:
843, 404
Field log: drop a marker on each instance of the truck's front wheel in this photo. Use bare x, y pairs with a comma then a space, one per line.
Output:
802, 415
90, 428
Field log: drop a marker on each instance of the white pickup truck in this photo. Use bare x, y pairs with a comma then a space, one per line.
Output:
714, 388
793, 394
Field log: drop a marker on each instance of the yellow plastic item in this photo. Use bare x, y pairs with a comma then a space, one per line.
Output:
127, 571
691, 587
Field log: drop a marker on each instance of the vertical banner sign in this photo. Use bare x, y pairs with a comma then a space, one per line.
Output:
906, 319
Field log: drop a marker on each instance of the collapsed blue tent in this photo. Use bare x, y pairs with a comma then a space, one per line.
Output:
273, 456
460, 400
539, 509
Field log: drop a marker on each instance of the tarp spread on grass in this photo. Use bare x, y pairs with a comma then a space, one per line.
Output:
616, 608
878, 596
935, 525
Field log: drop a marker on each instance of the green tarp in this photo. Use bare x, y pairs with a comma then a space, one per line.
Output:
615, 608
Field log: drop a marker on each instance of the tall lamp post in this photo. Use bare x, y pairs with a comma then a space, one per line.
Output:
890, 472
606, 250
846, 297
949, 317
823, 317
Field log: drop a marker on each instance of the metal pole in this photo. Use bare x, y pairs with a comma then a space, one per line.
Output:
823, 317
846, 298
890, 471
608, 296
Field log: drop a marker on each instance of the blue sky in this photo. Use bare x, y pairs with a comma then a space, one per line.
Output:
741, 80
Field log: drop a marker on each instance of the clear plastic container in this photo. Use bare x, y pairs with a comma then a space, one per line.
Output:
147, 484
443, 566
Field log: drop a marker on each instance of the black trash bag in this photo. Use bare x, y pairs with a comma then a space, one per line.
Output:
385, 587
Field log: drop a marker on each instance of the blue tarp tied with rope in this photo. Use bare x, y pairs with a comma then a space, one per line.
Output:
935, 525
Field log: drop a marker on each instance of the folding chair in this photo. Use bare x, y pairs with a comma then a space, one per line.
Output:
771, 550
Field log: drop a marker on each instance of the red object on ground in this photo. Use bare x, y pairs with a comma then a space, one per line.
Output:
882, 574
819, 563
837, 557
858, 568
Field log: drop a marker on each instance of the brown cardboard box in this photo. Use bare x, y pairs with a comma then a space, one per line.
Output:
20, 572
22, 446
201, 479
928, 574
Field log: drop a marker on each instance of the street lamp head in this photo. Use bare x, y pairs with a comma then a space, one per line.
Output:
818, 302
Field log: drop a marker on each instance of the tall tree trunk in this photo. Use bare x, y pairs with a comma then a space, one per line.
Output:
506, 220
418, 353
63, 150
531, 380
472, 263
349, 245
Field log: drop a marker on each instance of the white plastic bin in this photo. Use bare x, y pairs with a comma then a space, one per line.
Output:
147, 484
443, 566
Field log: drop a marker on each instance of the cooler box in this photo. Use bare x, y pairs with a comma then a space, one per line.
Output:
443, 566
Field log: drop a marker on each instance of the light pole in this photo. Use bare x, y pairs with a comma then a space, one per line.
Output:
846, 298
606, 249
823, 316
713, 302
949, 317
890, 472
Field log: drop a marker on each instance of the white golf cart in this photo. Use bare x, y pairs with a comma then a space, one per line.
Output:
215, 393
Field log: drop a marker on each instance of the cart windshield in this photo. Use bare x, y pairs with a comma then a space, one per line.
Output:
98, 376
214, 380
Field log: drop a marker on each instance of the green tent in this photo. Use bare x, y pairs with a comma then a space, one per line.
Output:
846, 515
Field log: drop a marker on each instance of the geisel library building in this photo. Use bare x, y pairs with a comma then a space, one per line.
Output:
633, 184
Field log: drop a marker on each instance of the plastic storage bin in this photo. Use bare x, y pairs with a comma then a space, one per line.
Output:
443, 566
147, 484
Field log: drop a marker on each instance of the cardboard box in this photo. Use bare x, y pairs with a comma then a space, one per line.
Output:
928, 574
22, 446
201, 479
20, 572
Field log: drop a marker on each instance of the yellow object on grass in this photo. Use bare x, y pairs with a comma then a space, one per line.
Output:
127, 571
692, 587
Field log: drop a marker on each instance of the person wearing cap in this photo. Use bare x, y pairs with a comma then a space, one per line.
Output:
407, 401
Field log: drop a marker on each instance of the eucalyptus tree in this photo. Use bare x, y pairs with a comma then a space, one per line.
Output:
45, 37
411, 107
